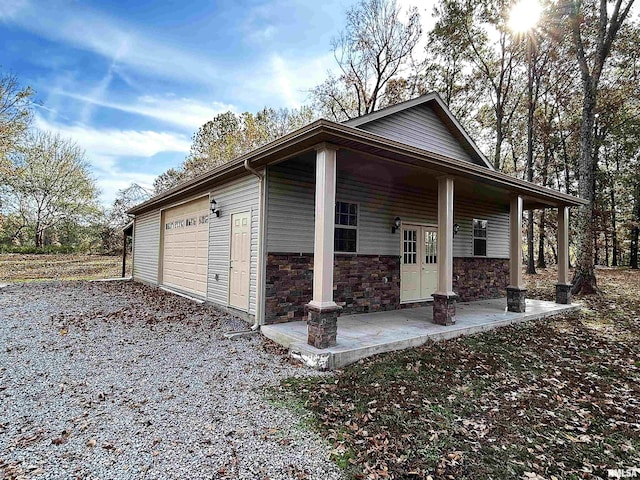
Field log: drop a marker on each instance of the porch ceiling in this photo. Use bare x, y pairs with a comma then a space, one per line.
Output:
381, 171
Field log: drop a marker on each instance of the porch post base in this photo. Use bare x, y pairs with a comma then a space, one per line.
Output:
516, 299
444, 309
322, 326
563, 293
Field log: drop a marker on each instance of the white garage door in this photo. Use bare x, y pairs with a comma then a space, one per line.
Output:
185, 246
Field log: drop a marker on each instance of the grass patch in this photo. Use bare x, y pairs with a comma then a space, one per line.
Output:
38, 267
553, 398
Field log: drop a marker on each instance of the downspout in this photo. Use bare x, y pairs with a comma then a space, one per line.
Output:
259, 282
133, 244
254, 171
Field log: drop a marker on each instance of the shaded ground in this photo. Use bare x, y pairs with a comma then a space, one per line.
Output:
23, 268
123, 381
557, 398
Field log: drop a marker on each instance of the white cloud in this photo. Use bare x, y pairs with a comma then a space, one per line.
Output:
10, 9
111, 38
276, 78
111, 142
105, 146
184, 112
286, 82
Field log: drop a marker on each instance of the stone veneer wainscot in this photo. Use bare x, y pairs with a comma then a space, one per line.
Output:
368, 283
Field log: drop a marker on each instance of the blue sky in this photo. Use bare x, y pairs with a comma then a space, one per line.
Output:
131, 81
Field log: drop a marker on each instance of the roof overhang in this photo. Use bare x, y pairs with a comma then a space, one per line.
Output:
128, 229
348, 137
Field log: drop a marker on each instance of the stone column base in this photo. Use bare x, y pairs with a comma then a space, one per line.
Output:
444, 309
516, 299
563, 293
322, 326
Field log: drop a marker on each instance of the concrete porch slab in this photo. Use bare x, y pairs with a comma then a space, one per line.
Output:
364, 335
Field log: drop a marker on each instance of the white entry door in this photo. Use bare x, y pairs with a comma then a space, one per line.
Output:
240, 260
419, 263
429, 261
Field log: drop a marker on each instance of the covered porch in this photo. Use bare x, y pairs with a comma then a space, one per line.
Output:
368, 334
447, 190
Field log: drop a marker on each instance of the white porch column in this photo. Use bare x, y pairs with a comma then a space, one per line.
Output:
324, 224
323, 311
444, 299
563, 287
515, 290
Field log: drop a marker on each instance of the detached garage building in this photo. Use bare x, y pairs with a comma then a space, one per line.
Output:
394, 209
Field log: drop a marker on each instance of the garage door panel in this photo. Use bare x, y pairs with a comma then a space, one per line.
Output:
185, 250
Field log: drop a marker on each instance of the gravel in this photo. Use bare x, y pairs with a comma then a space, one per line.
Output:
119, 380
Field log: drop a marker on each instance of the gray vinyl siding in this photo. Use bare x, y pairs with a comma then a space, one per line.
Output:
465, 210
291, 207
146, 247
291, 212
419, 127
235, 197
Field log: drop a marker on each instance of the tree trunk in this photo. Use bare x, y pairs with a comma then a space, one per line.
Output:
635, 234
542, 263
614, 227
531, 265
635, 231
38, 235
497, 163
584, 280
606, 248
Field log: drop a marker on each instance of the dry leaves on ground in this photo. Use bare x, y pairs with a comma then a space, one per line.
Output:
554, 398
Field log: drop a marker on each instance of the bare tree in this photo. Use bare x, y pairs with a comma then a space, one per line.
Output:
488, 58
593, 32
373, 49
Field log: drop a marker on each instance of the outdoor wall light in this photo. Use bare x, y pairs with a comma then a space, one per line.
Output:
456, 229
214, 207
396, 224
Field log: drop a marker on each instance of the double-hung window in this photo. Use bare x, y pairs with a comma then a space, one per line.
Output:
479, 238
346, 227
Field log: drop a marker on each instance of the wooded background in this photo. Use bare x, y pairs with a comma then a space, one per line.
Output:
557, 104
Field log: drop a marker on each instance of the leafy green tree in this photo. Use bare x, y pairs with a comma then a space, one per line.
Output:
15, 117
15, 114
48, 181
228, 136
168, 179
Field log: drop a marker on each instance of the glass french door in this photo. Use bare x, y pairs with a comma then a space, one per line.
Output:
418, 263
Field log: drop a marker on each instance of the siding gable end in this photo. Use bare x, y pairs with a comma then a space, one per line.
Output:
421, 127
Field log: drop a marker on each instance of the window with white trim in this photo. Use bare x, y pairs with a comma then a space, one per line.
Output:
479, 237
346, 227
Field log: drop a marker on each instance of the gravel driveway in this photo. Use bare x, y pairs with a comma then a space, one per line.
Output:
120, 380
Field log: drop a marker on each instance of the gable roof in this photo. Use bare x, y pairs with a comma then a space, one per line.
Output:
344, 136
435, 102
